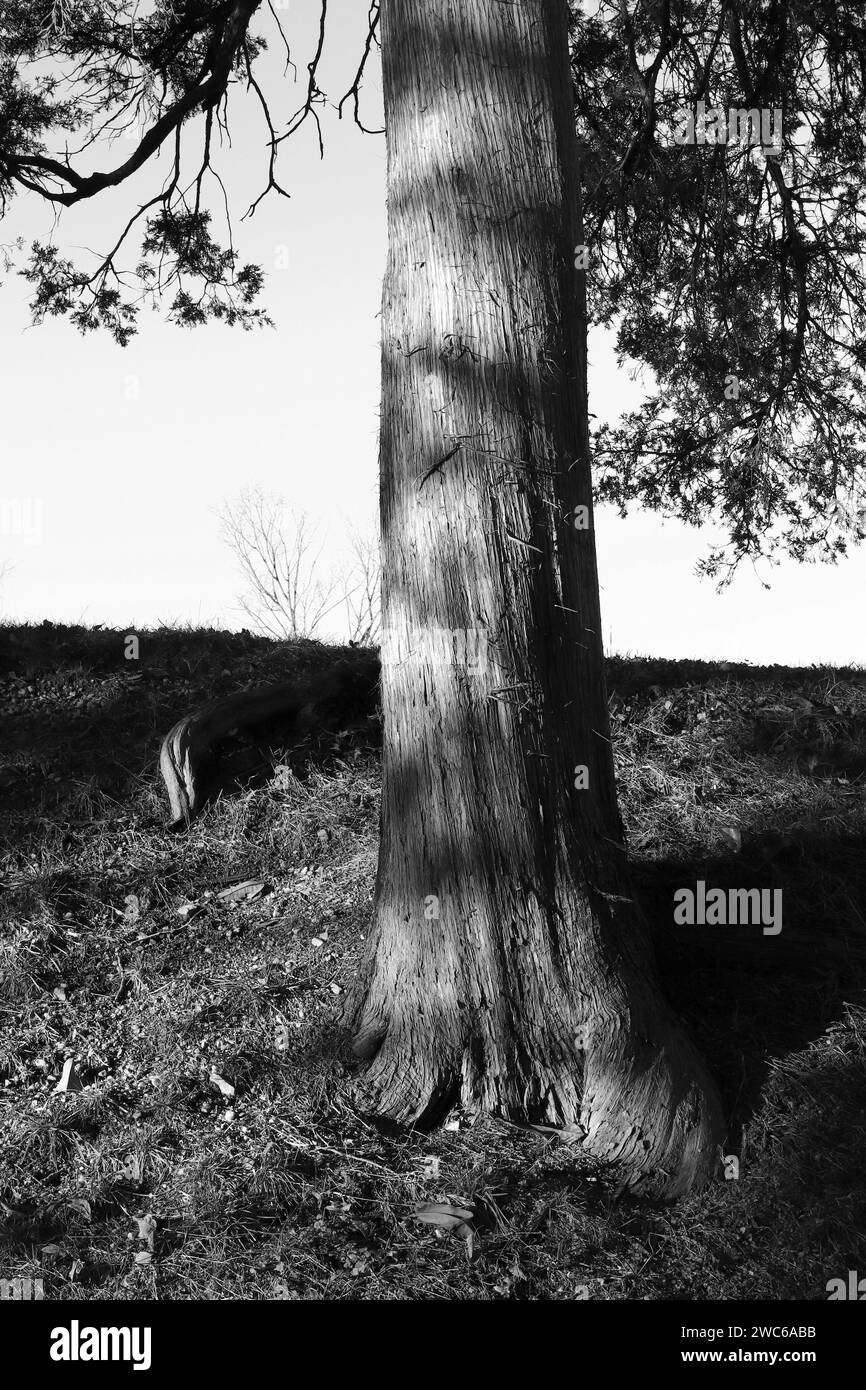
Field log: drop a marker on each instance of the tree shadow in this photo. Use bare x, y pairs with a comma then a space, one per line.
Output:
753, 1000
55, 762
273, 752
58, 764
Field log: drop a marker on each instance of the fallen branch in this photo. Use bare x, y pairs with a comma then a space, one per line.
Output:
325, 700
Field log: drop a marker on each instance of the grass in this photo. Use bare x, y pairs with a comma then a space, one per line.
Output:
154, 1179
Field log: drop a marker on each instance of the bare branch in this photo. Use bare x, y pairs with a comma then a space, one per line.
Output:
354, 90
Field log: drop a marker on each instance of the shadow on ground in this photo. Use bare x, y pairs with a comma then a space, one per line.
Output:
782, 1020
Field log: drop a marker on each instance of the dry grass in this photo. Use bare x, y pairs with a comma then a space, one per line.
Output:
281, 1190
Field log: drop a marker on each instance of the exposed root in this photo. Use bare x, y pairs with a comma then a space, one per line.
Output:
324, 700
652, 1109
649, 1110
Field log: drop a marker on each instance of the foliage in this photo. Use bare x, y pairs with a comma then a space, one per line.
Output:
282, 1191
733, 271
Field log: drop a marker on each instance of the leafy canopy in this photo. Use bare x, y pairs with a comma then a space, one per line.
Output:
732, 271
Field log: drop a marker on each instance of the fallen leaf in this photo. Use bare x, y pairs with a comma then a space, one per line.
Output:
446, 1216
225, 1086
143, 1257
189, 910
132, 1167
243, 892
69, 1078
146, 1227
567, 1134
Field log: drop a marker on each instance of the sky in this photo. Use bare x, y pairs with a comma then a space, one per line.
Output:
114, 462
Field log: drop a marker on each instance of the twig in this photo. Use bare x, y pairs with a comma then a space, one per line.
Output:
437, 466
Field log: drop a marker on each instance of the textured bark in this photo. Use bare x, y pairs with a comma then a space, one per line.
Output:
509, 967
321, 701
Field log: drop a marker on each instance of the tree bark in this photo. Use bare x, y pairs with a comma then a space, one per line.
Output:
509, 967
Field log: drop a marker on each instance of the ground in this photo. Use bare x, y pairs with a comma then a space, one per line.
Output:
207, 1146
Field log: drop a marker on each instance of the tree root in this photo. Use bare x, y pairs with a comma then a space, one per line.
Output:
326, 700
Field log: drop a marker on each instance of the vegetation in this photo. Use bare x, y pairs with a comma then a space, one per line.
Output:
508, 966
722, 151
281, 1190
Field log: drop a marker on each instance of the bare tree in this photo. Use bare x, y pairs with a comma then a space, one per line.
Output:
362, 579
279, 553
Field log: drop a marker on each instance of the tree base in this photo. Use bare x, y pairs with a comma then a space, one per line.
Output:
647, 1107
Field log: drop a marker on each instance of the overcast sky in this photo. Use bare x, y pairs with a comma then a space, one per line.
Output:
121, 458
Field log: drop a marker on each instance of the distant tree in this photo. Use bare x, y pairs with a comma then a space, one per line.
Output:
361, 583
279, 554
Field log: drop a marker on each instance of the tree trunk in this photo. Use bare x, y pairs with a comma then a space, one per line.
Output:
509, 967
